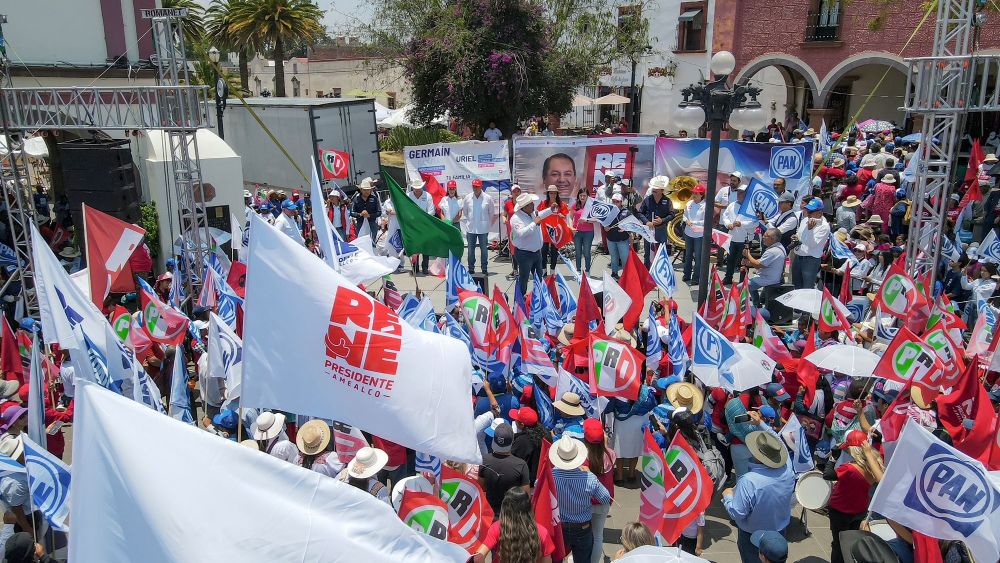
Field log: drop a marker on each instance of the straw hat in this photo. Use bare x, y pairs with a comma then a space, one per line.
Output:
69, 252
524, 199
567, 453
767, 448
367, 462
269, 425
875, 220
852, 201
566, 334
659, 183
888, 179
838, 162
313, 437
991, 159
366, 184
686, 395
623, 335
250, 444
569, 404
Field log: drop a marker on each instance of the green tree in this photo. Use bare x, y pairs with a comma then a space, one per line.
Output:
275, 24
204, 70
194, 28
219, 24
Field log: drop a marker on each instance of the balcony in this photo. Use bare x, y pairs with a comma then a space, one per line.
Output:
823, 25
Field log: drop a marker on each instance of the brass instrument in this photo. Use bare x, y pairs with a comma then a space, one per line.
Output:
679, 193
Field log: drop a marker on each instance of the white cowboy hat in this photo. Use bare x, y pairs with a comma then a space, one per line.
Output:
659, 183
367, 462
366, 184
552, 188
251, 444
269, 425
567, 453
418, 185
524, 199
888, 179
69, 252
11, 446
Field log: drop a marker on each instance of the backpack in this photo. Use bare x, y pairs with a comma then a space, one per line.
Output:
710, 457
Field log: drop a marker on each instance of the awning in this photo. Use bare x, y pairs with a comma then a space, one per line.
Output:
689, 15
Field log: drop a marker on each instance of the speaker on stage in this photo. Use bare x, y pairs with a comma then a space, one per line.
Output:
101, 174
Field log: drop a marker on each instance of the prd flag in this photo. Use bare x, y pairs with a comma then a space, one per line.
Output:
422, 233
162, 324
424, 513
907, 359
469, 514
662, 271
335, 164
831, 318
898, 294
110, 243
941, 492
555, 230
615, 368
652, 488
692, 493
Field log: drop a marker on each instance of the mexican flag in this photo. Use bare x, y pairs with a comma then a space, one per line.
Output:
615, 367
422, 233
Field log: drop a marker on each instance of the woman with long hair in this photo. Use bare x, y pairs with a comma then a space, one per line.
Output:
600, 462
515, 537
850, 495
634, 535
553, 203
583, 232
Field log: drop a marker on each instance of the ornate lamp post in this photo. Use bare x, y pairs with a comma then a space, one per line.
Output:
221, 89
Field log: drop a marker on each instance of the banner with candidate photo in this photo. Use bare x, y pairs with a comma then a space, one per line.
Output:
572, 163
764, 161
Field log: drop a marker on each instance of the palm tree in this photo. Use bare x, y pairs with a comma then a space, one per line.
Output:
194, 29
276, 24
219, 19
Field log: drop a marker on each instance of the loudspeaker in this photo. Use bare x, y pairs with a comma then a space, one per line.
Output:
101, 174
769, 299
484, 282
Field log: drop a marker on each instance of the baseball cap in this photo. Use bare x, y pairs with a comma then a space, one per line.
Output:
776, 391
226, 419
493, 426
526, 416
453, 184
786, 197
736, 174
815, 204
772, 544
477, 183
503, 437
767, 412
616, 197
288, 204
855, 438
593, 431
698, 189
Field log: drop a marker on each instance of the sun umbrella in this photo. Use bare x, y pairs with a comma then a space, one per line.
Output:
580, 100
875, 126
751, 368
654, 554
611, 100
846, 359
808, 300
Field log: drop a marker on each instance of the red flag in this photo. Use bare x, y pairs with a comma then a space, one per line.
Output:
335, 164
10, 355
121, 322
545, 505
433, 187
925, 548
898, 294
976, 157
555, 230
653, 473
692, 494
505, 328
969, 401
586, 310
845, 285
469, 514
715, 306
615, 367
806, 372
237, 279
937, 338
636, 282
729, 325
550, 282
425, 513
110, 243
908, 360
162, 324
831, 318
347, 440
138, 341
972, 194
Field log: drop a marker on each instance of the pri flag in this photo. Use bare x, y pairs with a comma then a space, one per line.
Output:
334, 352
336, 164
898, 294
941, 492
685, 501
652, 488
831, 317
555, 230
424, 513
163, 324
908, 360
110, 243
615, 368
469, 514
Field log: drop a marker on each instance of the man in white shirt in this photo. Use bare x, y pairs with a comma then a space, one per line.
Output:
424, 201
492, 133
526, 236
724, 194
286, 221
477, 216
740, 230
813, 234
770, 267
787, 221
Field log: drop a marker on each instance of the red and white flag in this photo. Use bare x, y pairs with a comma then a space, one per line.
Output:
555, 230
545, 504
335, 164
469, 514
110, 243
687, 500
424, 513
908, 360
615, 368
347, 440
831, 318
655, 479
721, 239
161, 323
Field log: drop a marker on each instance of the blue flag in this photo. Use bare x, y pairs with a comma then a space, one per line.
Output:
180, 401
676, 350
567, 301
654, 348
840, 250
546, 416
759, 198
409, 304
427, 463
455, 330
97, 361
7, 256
49, 482
710, 347
457, 277
544, 312
662, 271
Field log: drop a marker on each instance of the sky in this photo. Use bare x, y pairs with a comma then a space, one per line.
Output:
340, 15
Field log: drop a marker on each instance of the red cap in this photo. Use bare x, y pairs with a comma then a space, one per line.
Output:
528, 393
477, 183
855, 438
593, 431
452, 184
525, 415
699, 189
22, 393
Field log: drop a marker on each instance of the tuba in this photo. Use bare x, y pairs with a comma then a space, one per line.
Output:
679, 193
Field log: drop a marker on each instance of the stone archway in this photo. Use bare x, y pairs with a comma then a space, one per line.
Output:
843, 69
800, 89
870, 84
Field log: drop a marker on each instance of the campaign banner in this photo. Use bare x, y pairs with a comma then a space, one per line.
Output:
573, 163
764, 161
463, 162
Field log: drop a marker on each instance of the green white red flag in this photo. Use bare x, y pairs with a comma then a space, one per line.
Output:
831, 317
545, 505
898, 294
654, 480
908, 359
688, 499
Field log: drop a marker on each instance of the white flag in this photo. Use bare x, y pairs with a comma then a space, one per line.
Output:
61, 304
990, 247
941, 492
798, 447
597, 212
274, 511
616, 302
36, 396
225, 355
632, 224
124, 367
321, 222
336, 353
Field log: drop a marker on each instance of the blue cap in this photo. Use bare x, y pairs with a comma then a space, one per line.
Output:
519, 382
664, 382
772, 544
226, 419
900, 193
774, 390
289, 204
815, 204
767, 412
265, 207
574, 430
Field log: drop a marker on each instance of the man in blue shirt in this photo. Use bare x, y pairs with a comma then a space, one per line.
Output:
575, 489
762, 498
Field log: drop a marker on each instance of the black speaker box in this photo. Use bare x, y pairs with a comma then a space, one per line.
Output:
101, 174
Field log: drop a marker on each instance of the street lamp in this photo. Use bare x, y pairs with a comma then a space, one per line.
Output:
718, 104
221, 90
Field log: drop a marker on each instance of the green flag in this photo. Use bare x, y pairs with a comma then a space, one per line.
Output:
422, 232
